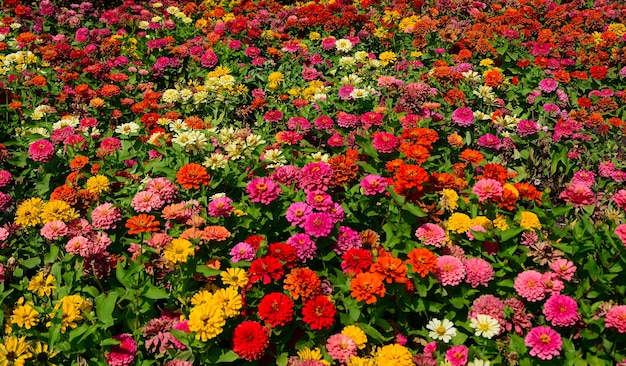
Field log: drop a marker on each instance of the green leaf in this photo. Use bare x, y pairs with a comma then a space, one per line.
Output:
52, 255
207, 271
229, 356
105, 305
414, 209
109, 342
30, 263
155, 293
510, 233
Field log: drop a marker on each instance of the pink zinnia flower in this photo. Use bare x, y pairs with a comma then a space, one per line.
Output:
545, 342
431, 234
122, 354
145, 201
347, 239
616, 318
548, 85
242, 252
620, 198
297, 212
606, 169
526, 128
585, 177
164, 188
519, 319
373, 184
41, 150
578, 194
315, 177
529, 285
489, 141
105, 216
54, 230
561, 310
319, 200
488, 189
341, 347
564, 268
463, 117
318, 225
478, 272
457, 355
159, 240
345, 91
347, 120
621, 233
385, 142
5, 201
221, 207
5, 178
77, 245
305, 246
489, 305
551, 283
450, 270
263, 190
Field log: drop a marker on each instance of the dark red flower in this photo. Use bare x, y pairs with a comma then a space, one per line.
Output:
276, 309
250, 339
319, 313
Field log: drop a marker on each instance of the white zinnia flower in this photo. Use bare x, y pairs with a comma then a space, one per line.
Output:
485, 326
441, 330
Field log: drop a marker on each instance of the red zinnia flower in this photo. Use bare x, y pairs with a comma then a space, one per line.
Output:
356, 260
276, 309
319, 313
266, 269
250, 339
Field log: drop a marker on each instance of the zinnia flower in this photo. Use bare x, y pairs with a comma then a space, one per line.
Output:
545, 342
463, 117
393, 355
450, 270
341, 347
276, 309
431, 234
441, 330
529, 285
478, 272
177, 251
142, 224
616, 318
366, 286
192, 176
457, 355
561, 310
263, 190
14, 351
41, 150
485, 325
250, 339
319, 313
122, 354
207, 321
488, 189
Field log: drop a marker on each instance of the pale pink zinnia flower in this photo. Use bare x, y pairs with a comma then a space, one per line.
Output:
620, 198
488, 189
561, 310
545, 342
341, 347
463, 117
122, 354
585, 177
54, 230
146, 201
450, 270
431, 234
578, 194
551, 283
529, 285
105, 216
77, 244
564, 268
616, 318
164, 188
478, 272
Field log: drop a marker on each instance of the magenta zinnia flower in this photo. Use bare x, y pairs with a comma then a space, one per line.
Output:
373, 184
561, 310
122, 354
548, 85
41, 150
263, 190
318, 224
457, 355
305, 246
545, 342
529, 285
463, 117
578, 194
450, 270
297, 213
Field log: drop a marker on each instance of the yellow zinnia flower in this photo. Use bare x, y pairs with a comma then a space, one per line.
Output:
14, 351
387, 58
393, 355
29, 212
42, 354
500, 223
235, 277
459, 223
207, 321
178, 250
229, 300
529, 221
356, 334
449, 200
58, 210
24, 316
42, 286
275, 78
97, 184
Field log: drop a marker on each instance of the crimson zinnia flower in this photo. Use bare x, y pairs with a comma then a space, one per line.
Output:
319, 313
276, 309
250, 339
266, 269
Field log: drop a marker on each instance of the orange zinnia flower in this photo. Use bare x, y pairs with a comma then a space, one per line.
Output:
142, 223
217, 233
472, 156
79, 162
390, 268
303, 283
423, 261
192, 176
365, 286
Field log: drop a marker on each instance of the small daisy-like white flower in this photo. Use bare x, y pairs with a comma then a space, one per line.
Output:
441, 330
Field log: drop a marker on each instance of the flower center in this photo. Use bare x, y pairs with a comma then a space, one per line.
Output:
544, 338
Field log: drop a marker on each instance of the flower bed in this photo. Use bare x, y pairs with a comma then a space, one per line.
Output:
371, 183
